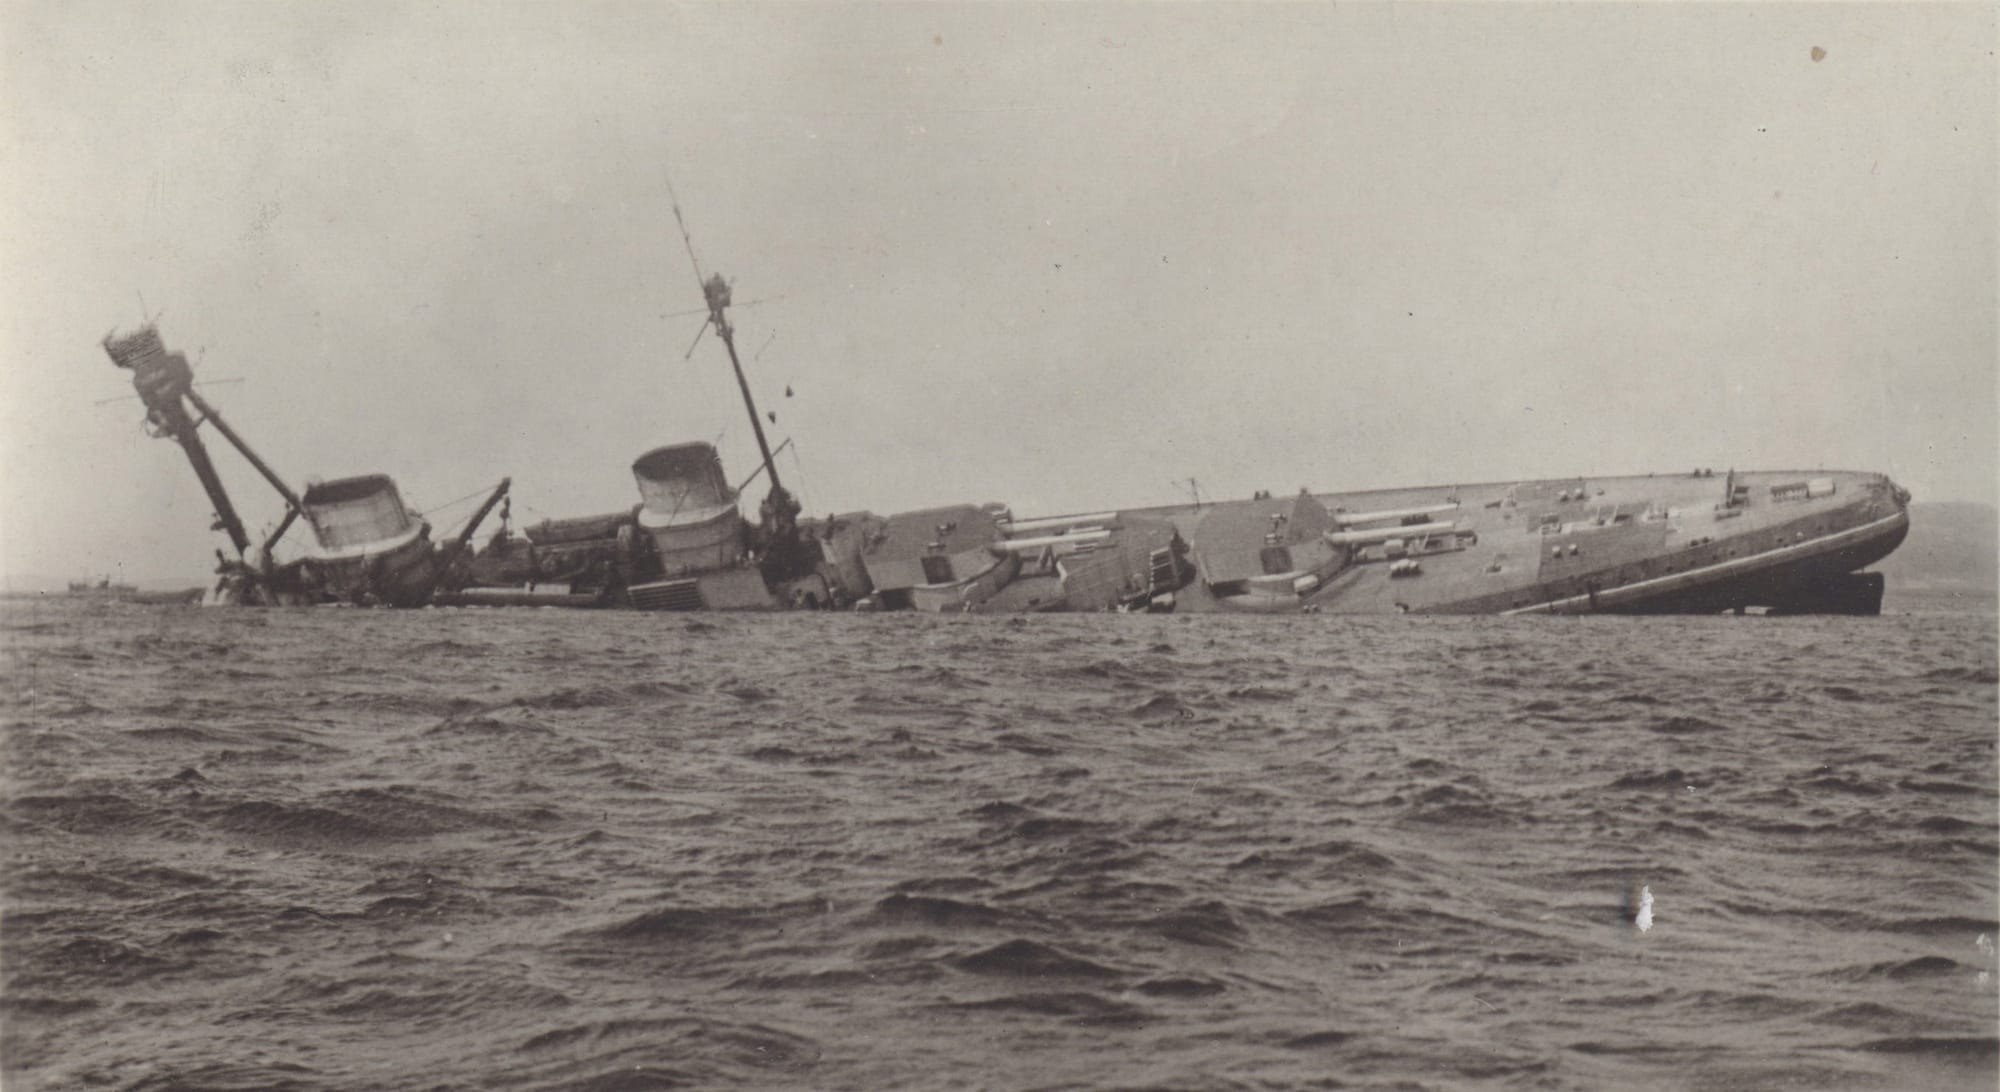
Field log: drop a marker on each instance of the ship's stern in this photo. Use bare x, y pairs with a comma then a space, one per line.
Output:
1887, 517
1877, 524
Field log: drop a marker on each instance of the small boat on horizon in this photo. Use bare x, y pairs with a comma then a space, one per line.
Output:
101, 588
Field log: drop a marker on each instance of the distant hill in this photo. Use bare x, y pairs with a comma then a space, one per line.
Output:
1952, 545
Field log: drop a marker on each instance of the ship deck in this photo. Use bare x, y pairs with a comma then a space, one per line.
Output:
1632, 543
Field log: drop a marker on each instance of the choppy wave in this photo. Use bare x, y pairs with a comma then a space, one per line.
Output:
538, 849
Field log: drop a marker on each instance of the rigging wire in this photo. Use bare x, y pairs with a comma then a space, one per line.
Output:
799, 467
734, 305
426, 512
134, 397
692, 345
457, 528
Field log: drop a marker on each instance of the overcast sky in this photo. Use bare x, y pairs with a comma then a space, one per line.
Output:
1059, 256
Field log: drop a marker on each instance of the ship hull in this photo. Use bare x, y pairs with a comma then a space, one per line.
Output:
1776, 542
1786, 542
1807, 578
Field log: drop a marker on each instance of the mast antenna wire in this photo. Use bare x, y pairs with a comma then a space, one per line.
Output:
686, 239
715, 290
701, 284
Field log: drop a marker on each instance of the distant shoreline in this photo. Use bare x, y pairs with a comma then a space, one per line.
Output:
191, 593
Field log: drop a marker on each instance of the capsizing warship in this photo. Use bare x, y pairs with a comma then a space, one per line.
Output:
1689, 542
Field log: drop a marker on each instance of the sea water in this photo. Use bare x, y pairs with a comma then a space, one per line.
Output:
459, 849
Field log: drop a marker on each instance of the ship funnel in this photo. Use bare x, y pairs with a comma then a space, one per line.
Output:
689, 508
